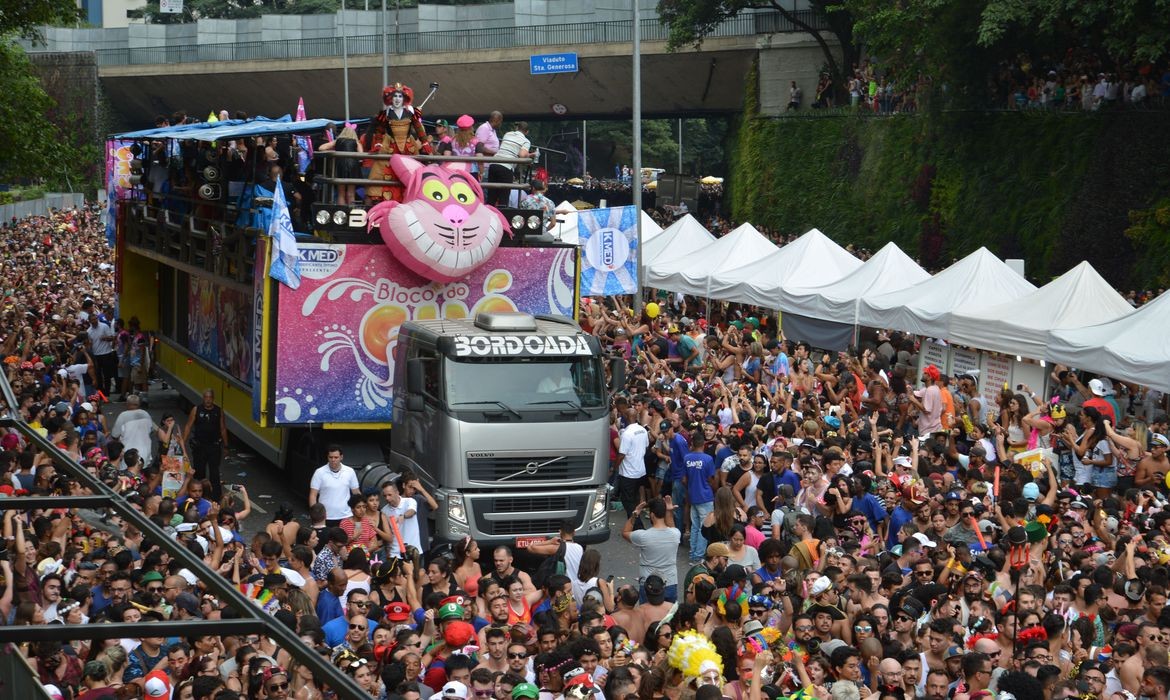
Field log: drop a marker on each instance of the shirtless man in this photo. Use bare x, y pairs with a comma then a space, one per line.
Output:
1151, 652
626, 616
1154, 463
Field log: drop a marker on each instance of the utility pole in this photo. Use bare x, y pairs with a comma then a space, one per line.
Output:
636, 180
345, 59
385, 49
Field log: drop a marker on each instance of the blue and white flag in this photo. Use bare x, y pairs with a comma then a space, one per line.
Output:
609, 240
286, 255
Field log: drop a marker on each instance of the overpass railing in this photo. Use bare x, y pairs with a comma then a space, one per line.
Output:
472, 39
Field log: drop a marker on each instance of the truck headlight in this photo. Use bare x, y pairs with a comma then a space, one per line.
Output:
322, 217
339, 217
455, 509
599, 504
517, 222
534, 222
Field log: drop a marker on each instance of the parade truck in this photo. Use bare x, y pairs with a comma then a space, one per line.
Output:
483, 384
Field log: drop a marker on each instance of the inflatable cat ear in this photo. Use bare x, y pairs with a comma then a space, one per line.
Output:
442, 230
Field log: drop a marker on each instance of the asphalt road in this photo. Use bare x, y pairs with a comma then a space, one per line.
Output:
268, 488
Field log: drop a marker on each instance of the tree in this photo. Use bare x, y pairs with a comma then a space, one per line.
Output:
30, 145
692, 20
24, 16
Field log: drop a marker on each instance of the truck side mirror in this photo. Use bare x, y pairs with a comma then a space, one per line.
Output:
414, 402
617, 374
414, 377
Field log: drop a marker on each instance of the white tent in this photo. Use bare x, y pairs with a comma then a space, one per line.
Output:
809, 260
650, 228
566, 228
1079, 297
980, 279
1135, 347
887, 271
683, 237
691, 273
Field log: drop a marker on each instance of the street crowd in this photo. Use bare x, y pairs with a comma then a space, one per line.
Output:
850, 526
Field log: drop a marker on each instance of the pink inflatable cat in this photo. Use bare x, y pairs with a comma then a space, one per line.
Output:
442, 230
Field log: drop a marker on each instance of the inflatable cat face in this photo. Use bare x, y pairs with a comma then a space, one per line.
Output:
442, 230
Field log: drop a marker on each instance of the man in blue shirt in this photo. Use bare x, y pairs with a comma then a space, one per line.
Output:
700, 481
903, 514
678, 467
329, 599
868, 504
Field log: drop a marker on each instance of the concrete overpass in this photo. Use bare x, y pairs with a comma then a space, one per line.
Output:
473, 79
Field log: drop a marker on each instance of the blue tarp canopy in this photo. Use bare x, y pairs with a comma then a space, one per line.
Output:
232, 128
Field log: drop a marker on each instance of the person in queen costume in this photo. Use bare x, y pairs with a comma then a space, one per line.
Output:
397, 129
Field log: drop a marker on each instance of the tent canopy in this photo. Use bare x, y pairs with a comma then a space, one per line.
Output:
1135, 347
232, 128
691, 273
980, 279
1079, 297
888, 270
681, 238
810, 260
650, 228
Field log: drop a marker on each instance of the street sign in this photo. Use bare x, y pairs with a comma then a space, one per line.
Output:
170, 6
544, 64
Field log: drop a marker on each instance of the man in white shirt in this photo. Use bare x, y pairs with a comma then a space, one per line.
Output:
514, 144
632, 462
101, 349
332, 485
134, 428
404, 512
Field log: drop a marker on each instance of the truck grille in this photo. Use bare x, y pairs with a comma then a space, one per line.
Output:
536, 506
516, 470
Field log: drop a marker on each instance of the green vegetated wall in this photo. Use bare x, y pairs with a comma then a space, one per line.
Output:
1052, 188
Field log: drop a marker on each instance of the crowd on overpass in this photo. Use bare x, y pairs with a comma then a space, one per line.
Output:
854, 524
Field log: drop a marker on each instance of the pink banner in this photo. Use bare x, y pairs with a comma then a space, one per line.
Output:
337, 333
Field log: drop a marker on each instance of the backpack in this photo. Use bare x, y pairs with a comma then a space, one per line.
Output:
551, 566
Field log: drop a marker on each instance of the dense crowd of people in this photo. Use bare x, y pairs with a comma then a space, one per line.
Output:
852, 527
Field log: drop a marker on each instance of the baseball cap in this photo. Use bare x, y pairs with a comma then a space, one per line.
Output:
820, 585
157, 685
441, 122
718, 549
454, 689
525, 690
924, 540
187, 602
1097, 387
953, 496
397, 612
458, 634
451, 611
1031, 491
953, 651
655, 586
831, 646
151, 576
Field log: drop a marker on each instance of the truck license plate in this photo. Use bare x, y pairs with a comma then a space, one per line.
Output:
523, 542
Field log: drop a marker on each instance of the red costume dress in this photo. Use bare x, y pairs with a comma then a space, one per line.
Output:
398, 128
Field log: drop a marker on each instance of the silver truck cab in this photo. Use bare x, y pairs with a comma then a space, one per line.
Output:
505, 418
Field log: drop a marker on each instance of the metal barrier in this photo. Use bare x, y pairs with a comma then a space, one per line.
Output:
448, 41
252, 619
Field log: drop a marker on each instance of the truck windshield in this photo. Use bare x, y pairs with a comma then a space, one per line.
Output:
529, 383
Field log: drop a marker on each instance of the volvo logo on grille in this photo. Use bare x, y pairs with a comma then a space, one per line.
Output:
531, 468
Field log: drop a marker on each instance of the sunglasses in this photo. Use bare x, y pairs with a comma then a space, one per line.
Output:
803, 628
514, 655
358, 627
276, 686
903, 618
363, 604
862, 628
154, 589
